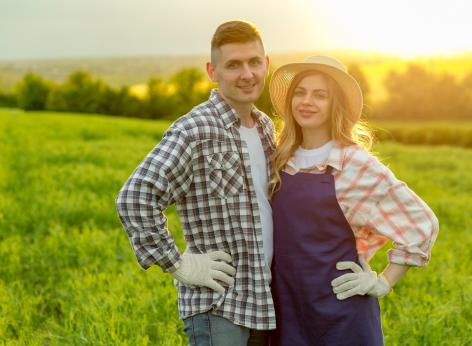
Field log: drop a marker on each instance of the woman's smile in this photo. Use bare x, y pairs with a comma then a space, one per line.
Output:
306, 113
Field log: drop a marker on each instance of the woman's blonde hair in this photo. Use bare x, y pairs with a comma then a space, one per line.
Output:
343, 130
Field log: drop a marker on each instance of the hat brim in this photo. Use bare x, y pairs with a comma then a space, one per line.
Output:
283, 77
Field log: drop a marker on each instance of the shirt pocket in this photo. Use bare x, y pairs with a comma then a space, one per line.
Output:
225, 178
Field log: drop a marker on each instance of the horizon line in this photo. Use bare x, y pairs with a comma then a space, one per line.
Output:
360, 52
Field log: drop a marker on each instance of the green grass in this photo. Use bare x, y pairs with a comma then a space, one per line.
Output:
456, 133
68, 275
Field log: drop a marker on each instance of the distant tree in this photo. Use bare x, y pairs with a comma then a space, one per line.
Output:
159, 103
467, 81
402, 88
121, 102
419, 94
356, 71
32, 92
7, 99
264, 103
466, 87
448, 98
190, 90
131, 105
80, 93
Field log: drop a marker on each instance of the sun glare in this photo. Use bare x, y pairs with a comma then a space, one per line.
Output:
406, 28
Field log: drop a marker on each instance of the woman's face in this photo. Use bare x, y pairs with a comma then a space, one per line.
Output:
311, 103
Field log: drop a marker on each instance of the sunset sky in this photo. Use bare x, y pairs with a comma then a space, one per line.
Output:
94, 28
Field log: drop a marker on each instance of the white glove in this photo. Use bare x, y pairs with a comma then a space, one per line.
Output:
363, 281
203, 269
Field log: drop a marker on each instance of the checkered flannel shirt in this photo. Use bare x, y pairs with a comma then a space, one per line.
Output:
203, 167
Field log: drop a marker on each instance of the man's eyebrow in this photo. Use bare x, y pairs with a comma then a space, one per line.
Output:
232, 61
240, 60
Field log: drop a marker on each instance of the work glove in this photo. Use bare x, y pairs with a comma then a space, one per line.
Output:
362, 281
203, 269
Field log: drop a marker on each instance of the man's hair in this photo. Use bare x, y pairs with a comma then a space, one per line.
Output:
235, 31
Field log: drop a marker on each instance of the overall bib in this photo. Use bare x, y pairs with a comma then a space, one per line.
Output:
311, 234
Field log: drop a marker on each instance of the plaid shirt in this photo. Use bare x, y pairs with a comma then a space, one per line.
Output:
378, 206
203, 167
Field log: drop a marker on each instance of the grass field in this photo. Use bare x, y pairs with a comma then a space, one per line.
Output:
452, 133
68, 275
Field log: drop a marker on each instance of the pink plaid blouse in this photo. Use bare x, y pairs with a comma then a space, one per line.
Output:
378, 206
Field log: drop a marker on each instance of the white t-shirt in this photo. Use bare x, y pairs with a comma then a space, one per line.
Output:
305, 158
259, 177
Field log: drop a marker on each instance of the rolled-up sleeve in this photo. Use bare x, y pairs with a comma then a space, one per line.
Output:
400, 215
162, 178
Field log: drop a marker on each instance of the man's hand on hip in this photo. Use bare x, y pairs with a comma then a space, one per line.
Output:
203, 269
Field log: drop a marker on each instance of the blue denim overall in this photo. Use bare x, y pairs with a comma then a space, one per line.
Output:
311, 234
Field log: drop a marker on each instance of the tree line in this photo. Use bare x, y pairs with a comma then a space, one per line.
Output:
415, 94
83, 93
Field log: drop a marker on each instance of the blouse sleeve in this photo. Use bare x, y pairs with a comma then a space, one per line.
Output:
400, 215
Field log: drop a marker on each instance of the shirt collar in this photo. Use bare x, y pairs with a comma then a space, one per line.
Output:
229, 115
335, 159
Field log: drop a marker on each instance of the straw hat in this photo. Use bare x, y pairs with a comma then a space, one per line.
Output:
284, 75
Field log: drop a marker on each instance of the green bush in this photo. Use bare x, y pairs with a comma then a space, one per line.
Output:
80, 93
32, 92
8, 100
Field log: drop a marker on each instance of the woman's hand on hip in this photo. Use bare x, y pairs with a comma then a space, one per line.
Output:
361, 281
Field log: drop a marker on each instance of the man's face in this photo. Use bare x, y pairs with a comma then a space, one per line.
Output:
240, 70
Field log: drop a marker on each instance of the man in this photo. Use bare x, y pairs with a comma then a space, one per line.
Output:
213, 163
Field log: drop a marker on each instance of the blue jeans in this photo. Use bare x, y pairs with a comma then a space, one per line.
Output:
210, 330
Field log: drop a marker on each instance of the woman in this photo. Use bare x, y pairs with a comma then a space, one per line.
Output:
334, 205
